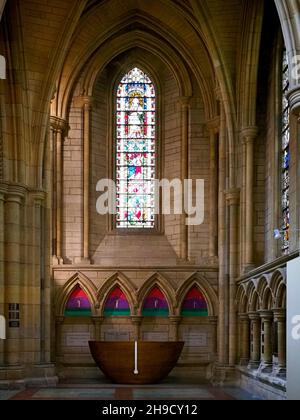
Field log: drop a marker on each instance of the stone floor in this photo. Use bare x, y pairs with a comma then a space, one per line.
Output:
82, 390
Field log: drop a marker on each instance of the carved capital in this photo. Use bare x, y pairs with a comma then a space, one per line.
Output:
59, 125
213, 125
185, 101
249, 134
233, 196
84, 102
294, 100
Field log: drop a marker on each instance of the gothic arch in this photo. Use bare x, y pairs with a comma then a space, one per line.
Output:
254, 301
85, 284
119, 45
242, 301
117, 280
160, 281
204, 286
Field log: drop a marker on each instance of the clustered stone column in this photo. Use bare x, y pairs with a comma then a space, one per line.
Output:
267, 319
98, 321
214, 129
223, 330
256, 340
185, 141
233, 199
280, 318
249, 135
87, 109
2, 277
137, 322
245, 339
13, 272
174, 327
59, 129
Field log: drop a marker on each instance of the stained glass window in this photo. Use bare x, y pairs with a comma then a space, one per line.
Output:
194, 304
136, 151
156, 304
117, 304
78, 304
285, 160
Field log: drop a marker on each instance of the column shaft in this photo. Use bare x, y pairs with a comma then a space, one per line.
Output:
87, 107
233, 202
245, 339
13, 271
249, 134
214, 128
185, 141
256, 340
223, 331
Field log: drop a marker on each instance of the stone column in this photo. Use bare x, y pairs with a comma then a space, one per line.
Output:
185, 142
3, 189
87, 110
233, 198
37, 309
59, 321
98, 320
13, 269
174, 327
249, 135
214, 323
280, 318
256, 340
223, 330
59, 129
245, 339
137, 322
214, 128
267, 319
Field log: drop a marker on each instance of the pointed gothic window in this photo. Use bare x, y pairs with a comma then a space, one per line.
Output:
135, 151
285, 159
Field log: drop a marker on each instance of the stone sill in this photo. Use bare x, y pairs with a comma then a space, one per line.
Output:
265, 379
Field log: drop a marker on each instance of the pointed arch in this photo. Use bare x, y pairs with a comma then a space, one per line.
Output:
81, 281
124, 283
205, 288
163, 284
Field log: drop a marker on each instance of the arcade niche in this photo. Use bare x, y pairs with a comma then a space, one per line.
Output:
124, 318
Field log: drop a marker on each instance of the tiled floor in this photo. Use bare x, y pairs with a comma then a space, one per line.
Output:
107, 392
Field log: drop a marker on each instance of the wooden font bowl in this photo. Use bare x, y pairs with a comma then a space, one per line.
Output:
117, 360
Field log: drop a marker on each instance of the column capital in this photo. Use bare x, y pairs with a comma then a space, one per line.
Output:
38, 196
279, 314
175, 320
254, 316
136, 320
59, 124
185, 101
266, 315
294, 99
249, 134
16, 192
97, 320
213, 125
84, 101
59, 320
213, 320
233, 196
244, 317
